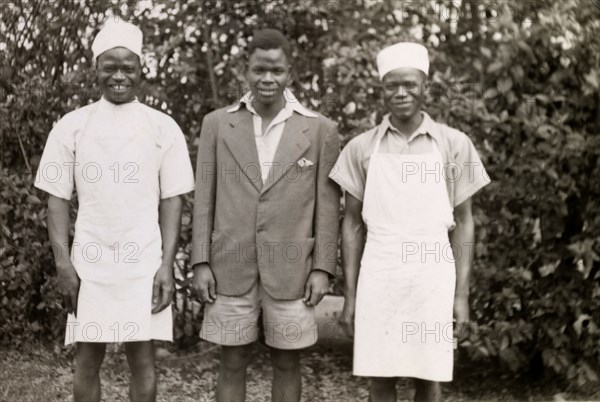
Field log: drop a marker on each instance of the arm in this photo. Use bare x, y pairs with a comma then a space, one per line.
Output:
170, 225
203, 282
353, 244
58, 232
326, 221
462, 239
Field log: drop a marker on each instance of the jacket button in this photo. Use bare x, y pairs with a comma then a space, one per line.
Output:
260, 230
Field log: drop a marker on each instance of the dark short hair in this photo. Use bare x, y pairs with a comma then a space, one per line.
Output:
267, 39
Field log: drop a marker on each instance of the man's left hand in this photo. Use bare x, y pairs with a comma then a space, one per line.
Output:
461, 315
162, 289
316, 287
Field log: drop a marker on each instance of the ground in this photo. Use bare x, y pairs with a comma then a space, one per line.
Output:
43, 375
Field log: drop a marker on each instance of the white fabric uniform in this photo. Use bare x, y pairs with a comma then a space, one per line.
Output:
403, 322
122, 159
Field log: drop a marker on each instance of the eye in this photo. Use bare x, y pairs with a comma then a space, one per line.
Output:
411, 87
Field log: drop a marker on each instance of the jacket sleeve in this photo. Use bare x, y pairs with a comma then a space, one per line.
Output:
327, 206
205, 192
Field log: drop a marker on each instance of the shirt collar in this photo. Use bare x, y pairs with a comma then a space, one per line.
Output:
291, 103
108, 103
427, 127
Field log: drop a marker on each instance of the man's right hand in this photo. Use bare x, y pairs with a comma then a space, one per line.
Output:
203, 283
347, 318
68, 283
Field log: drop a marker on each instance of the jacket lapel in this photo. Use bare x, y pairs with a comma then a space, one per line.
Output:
240, 141
292, 145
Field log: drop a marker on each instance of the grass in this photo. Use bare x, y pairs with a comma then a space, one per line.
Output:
42, 375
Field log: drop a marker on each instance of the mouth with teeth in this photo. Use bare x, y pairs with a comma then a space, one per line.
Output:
119, 87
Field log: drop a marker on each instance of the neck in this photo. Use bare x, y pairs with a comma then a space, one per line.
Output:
269, 110
408, 126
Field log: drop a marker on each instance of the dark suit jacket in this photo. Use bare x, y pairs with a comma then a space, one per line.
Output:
279, 230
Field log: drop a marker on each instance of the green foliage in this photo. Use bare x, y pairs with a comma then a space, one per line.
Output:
521, 78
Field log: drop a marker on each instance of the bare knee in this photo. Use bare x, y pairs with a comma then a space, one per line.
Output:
427, 390
235, 358
285, 360
383, 383
89, 357
140, 357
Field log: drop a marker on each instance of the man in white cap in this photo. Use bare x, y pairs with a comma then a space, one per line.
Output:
408, 230
129, 164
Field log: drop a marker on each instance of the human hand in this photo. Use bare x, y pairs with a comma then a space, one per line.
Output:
316, 287
68, 284
346, 319
162, 289
203, 283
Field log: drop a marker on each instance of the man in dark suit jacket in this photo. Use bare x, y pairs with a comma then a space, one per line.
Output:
265, 223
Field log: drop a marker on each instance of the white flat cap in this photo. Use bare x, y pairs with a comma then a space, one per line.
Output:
403, 54
118, 34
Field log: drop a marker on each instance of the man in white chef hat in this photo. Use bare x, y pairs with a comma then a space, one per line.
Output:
130, 165
407, 229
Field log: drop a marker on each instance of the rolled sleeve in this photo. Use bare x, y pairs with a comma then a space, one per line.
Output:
348, 172
176, 173
469, 175
55, 174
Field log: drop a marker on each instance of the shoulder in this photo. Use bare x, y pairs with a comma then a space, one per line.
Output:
165, 126
77, 116
159, 118
319, 119
451, 138
364, 141
220, 115
67, 127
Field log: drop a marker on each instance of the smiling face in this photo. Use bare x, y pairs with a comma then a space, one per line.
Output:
403, 94
119, 72
268, 73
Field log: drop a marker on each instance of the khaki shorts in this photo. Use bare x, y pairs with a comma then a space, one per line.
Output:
233, 320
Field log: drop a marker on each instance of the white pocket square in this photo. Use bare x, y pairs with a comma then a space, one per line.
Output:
305, 162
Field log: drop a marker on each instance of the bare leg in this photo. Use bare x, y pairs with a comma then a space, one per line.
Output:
231, 385
427, 391
382, 389
287, 382
86, 381
140, 357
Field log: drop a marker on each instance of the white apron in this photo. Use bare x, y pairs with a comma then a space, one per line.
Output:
117, 247
405, 295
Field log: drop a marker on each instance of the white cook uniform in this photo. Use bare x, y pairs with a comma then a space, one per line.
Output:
403, 322
122, 160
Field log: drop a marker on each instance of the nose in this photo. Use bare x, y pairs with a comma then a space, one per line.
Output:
118, 75
402, 91
268, 77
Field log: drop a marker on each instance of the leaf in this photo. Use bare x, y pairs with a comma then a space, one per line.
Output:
589, 372
504, 84
495, 67
32, 199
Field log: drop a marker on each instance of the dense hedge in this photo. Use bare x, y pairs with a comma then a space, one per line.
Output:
520, 78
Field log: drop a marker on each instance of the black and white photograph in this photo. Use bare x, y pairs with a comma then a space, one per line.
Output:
312, 200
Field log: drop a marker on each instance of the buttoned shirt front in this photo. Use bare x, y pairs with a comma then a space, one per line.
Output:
267, 141
394, 141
